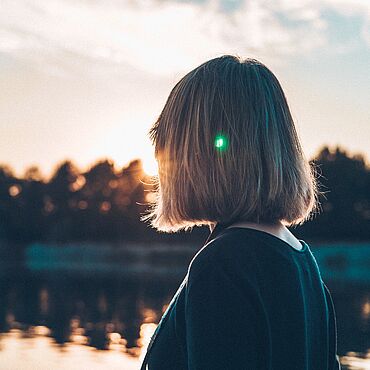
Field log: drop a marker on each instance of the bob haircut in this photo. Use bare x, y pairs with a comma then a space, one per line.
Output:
227, 150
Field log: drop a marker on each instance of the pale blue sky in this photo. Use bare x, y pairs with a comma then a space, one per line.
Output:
85, 79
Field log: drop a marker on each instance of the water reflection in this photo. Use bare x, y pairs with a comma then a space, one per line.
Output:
96, 312
120, 314
41, 353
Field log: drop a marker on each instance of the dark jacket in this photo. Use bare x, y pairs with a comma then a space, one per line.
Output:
248, 301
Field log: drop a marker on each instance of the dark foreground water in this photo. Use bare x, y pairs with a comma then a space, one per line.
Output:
58, 319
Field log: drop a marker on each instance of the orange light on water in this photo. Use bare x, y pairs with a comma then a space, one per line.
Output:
115, 338
146, 332
366, 309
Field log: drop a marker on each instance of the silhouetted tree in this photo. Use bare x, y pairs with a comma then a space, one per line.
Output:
105, 204
345, 204
57, 197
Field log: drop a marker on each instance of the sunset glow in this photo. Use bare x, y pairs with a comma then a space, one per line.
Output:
150, 166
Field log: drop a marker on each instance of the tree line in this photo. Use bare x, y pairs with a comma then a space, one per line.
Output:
105, 204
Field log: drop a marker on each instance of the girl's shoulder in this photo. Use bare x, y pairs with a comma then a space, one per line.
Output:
226, 251
248, 252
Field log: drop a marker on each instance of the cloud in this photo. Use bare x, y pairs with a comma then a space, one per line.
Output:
350, 7
165, 37
355, 8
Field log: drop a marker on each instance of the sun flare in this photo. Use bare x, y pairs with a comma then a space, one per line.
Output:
150, 166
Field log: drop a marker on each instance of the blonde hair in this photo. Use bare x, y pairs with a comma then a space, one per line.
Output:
227, 150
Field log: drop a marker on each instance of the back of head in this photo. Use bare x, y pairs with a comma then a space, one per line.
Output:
227, 149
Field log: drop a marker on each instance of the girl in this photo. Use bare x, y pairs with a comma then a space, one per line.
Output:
229, 157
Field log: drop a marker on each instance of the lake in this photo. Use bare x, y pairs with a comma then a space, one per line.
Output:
96, 307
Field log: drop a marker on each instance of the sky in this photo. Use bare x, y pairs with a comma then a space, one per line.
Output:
85, 79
